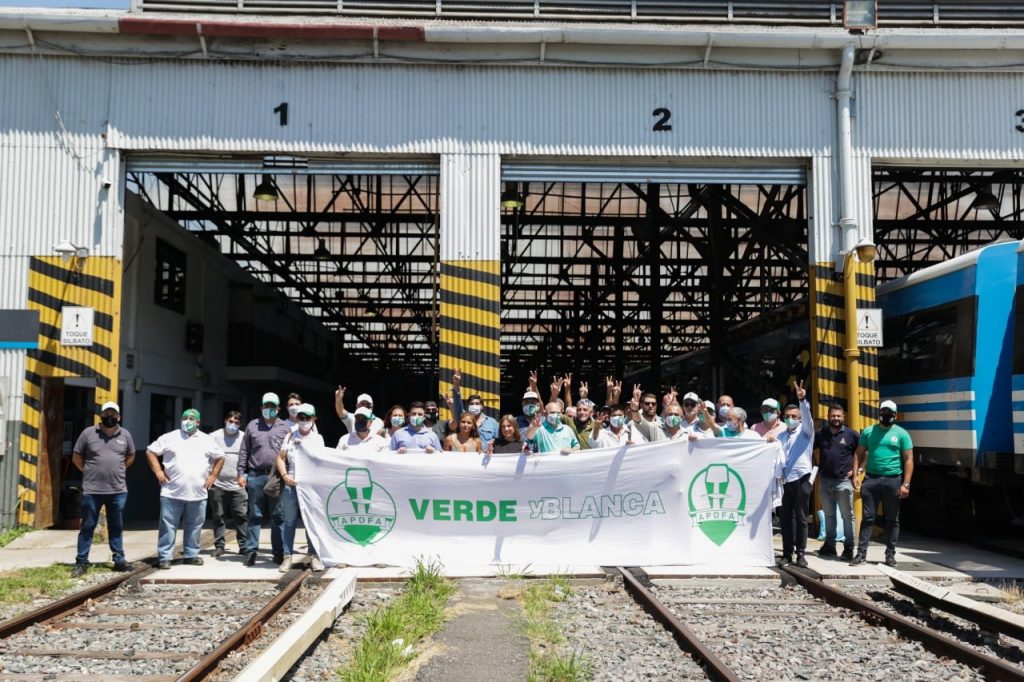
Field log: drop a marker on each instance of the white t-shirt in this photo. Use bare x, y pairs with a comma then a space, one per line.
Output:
310, 440
376, 424
373, 443
188, 461
606, 438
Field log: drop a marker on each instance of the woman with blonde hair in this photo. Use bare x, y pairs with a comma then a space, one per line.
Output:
467, 438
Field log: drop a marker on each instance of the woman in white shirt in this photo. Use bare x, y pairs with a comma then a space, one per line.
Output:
288, 506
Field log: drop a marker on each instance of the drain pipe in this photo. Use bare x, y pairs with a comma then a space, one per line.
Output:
844, 93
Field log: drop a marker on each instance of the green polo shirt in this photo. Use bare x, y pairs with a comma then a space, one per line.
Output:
885, 447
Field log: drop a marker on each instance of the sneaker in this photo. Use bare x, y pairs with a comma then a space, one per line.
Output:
79, 570
847, 554
278, 558
827, 551
286, 563
163, 564
218, 552
250, 559
122, 566
317, 563
890, 560
858, 560
784, 561
801, 561
193, 561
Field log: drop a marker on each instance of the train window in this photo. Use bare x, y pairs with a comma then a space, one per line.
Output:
1018, 331
935, 343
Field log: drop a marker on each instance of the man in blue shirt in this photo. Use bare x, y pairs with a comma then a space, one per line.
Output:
798, 447
486, 426
417, 435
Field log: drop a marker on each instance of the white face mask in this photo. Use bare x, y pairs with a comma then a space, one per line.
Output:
293, 410
475, 408
230, 428
188, 426
305, 427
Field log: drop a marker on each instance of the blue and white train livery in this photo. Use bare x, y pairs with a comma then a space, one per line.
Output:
1017, 381
947, 360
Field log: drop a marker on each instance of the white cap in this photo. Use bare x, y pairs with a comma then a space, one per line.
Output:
708, 404
770, 402
306, 408
110, 405
270, 397
887, 403
531, 395
692, 396
364, 398
364, 412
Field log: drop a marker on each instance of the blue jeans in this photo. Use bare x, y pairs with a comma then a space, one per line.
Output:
259, 506
91, 504
191, 514
288, 504
833, 491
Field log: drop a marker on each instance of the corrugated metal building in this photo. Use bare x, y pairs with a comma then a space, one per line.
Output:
89, 94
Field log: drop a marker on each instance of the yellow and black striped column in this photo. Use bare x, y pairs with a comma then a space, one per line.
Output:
470, 328
828, 364
52, 284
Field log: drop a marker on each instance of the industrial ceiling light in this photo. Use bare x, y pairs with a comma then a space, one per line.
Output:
321, 252
985, 200
67, 251
511, 197
266, 190
860, 15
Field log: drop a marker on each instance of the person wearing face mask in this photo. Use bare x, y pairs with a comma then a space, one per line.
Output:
434, 421
191, 463
103, 453
886, 452
735, 425
261, 441
415, 436
394, 421
724, 404
708, 419
679, 422
547, 432
531, 408
583, 422
228, 501
362, 437
287, 518
363, 400
797, 441
836, 444
771, 424
620, 431
293, 402
486, 425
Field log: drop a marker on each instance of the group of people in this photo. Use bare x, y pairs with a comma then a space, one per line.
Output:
231, 467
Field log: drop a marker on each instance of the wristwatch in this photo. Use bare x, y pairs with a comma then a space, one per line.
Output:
906, 485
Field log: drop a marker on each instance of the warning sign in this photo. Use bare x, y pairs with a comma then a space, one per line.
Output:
869, 327
76, 326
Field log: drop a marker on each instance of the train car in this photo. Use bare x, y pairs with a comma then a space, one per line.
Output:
1017, 381
947, 363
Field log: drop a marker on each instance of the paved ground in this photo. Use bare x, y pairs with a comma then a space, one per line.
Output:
920, 556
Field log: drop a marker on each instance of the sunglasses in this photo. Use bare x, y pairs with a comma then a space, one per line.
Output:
648, 402
303, 418
689, 403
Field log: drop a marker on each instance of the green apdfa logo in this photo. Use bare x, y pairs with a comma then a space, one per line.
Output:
718, 501
359, 510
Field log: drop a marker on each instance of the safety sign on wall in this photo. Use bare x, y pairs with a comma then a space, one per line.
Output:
869, 327
76, 326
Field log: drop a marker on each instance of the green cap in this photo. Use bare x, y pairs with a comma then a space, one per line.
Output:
191, 413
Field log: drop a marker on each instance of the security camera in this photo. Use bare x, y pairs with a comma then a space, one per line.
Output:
107, 183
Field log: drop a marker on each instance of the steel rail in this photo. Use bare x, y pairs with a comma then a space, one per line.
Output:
941, 645
248, 632
69, 603
684, 636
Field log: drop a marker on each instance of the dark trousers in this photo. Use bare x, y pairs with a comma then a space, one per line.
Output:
91, 504
793, 522
229, 507
884, 489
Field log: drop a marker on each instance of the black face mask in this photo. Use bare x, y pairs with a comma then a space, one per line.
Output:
362, 426
886, 419
432, 415
109, 422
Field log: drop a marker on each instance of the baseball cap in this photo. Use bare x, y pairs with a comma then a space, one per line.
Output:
708, 404
531, 395
110, 405
691, 396
888, 403
306, 408
364, 412
770, 402
270, 398
191, 413
364, 398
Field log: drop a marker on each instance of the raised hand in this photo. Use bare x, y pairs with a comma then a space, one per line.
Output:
457, 378
584, 389
801, 392
339, 394
637, 393
556, 385
533, 380
670, 397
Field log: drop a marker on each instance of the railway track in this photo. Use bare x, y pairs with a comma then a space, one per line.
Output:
739, 633
124, 630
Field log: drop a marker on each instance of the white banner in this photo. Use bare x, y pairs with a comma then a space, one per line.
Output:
678, 502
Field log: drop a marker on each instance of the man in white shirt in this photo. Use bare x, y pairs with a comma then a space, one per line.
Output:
675, 424
228, 501
619, 432
191, 463
364, 400
363, 439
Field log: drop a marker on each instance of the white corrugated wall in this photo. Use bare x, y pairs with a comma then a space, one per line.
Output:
470, 215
